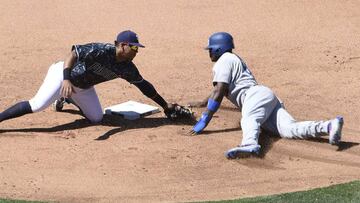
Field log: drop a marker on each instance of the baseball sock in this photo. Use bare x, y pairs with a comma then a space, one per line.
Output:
17, 110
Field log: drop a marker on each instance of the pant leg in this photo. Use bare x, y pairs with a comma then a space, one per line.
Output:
258, 105
288, 127
88, 102
50, 89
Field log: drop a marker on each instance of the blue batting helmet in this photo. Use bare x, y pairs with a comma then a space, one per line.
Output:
219, 43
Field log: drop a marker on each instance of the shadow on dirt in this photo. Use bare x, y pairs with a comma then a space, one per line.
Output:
120, 123
209, 132
266, 141
77, 124
343, 145
138, 124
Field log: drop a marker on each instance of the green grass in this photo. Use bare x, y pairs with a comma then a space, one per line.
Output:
17, 201
348, 192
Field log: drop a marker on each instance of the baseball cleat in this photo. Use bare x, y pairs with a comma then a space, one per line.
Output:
243, 151
58, 105
335, 128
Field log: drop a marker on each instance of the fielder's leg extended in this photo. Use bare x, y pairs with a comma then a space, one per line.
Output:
48, 92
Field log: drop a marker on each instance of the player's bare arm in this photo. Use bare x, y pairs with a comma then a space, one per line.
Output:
204, 102
219, 91
67, 88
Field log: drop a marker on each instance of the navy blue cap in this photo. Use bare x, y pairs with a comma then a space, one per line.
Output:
130, 37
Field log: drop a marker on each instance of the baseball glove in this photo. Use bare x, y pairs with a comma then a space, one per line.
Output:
179, 112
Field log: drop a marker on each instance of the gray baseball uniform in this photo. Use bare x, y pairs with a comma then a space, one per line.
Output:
259, 105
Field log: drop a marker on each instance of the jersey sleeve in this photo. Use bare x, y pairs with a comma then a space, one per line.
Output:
222, 71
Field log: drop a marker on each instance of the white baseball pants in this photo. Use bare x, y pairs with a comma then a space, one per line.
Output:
262, 109
49, 91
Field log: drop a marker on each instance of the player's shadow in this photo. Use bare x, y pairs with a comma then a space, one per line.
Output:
209, 132
266, 141
343, 145
77, 124
120, 123
110, 120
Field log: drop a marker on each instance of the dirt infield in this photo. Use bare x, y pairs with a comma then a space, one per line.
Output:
308, 52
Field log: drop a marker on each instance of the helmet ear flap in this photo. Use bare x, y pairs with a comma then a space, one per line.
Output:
215, 53
214, 50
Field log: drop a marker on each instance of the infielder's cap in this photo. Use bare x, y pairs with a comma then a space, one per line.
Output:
130, 37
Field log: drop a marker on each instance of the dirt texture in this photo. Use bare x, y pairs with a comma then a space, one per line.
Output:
308, 52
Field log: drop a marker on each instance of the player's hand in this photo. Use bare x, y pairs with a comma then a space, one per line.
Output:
201, 124
192, 133
67, 89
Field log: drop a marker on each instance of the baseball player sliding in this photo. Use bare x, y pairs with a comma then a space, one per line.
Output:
260, 107
86, 66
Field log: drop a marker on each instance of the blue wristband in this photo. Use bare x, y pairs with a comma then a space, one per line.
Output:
213, 105
202, 123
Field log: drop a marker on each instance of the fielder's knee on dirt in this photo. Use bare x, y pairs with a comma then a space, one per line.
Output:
95, 118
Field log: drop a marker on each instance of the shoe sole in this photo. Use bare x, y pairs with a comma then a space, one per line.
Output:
238, 154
